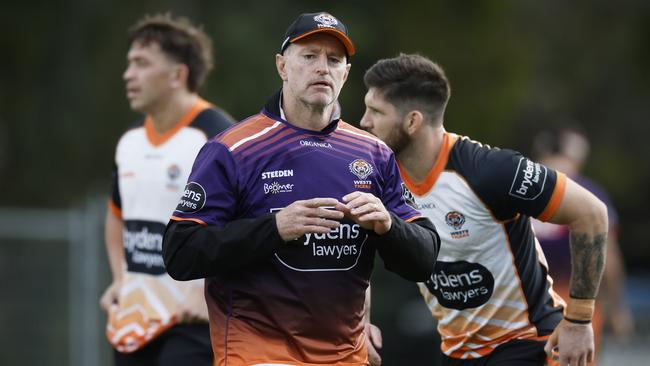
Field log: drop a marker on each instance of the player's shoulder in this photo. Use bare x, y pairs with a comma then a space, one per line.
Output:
467, 146
248, 130
470, 153
482, 165
211, 121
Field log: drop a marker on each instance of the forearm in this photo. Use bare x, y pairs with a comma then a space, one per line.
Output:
192, 251
586, 217
409, 249
613, 282
587, 262
114, 244
366, 306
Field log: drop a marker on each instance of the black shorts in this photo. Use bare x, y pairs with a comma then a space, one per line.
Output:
179, 345
514, 353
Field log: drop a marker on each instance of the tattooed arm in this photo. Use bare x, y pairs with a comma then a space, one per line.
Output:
586, 216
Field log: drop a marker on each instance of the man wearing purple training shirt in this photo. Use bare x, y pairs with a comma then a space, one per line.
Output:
283, 213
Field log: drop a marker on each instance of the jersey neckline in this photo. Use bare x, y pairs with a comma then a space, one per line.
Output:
420, 188
157, 139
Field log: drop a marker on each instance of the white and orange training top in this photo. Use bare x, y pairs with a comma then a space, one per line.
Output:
148, 180
490, 283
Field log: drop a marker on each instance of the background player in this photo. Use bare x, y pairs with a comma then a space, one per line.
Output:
263, 217
490, 290
153, 319
566, 150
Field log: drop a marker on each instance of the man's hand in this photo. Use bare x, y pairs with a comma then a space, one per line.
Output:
373, 339
110, 296
574, 343
308, 216
195, 310
366, 210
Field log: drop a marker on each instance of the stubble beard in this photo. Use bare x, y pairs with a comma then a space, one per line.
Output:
398, 140
318, 105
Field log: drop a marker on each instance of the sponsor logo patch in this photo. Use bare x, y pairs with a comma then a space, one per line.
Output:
326, 145
361, 168
143, 246
193, 198
363, 184
275, 188
408, 197
277, 174
461, 285
338, 250
174, 171
456, 220
529, 180
426, 206
326, 20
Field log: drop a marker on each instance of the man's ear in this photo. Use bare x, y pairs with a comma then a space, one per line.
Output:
280, 63
180, 75
347, 72
413, 120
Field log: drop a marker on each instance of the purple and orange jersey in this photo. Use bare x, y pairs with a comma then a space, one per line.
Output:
304, 305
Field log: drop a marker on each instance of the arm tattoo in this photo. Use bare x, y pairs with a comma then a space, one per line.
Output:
587, 264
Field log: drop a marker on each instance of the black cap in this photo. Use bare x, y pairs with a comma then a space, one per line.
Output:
310, 23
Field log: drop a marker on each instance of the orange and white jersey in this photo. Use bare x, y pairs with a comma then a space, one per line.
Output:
149, 178
490, 283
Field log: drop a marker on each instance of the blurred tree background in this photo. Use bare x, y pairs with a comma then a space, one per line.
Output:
515, 67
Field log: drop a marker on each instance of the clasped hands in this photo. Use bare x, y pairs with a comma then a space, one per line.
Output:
321, 215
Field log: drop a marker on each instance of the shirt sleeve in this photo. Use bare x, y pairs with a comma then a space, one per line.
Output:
210, 196
511, 184
115, 202
410, 247
206, 236
396, 196
213, 121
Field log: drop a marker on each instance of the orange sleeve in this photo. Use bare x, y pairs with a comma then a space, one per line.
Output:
556, 198
116, 211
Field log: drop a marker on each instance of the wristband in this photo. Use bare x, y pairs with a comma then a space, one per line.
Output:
575, 321
579, 310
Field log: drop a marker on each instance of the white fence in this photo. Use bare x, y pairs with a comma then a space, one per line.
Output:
82, 229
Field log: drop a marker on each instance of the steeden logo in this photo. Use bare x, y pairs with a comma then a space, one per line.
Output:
277, 174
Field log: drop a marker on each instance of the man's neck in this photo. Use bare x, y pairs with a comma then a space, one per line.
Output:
168, 113
306, 116
419, 157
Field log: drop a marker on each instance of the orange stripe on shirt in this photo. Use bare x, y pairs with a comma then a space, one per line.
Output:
556, 198
246, 129
413, 218
198, 221
425, 186
158, 139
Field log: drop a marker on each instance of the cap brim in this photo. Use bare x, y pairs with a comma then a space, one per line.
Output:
349, 47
